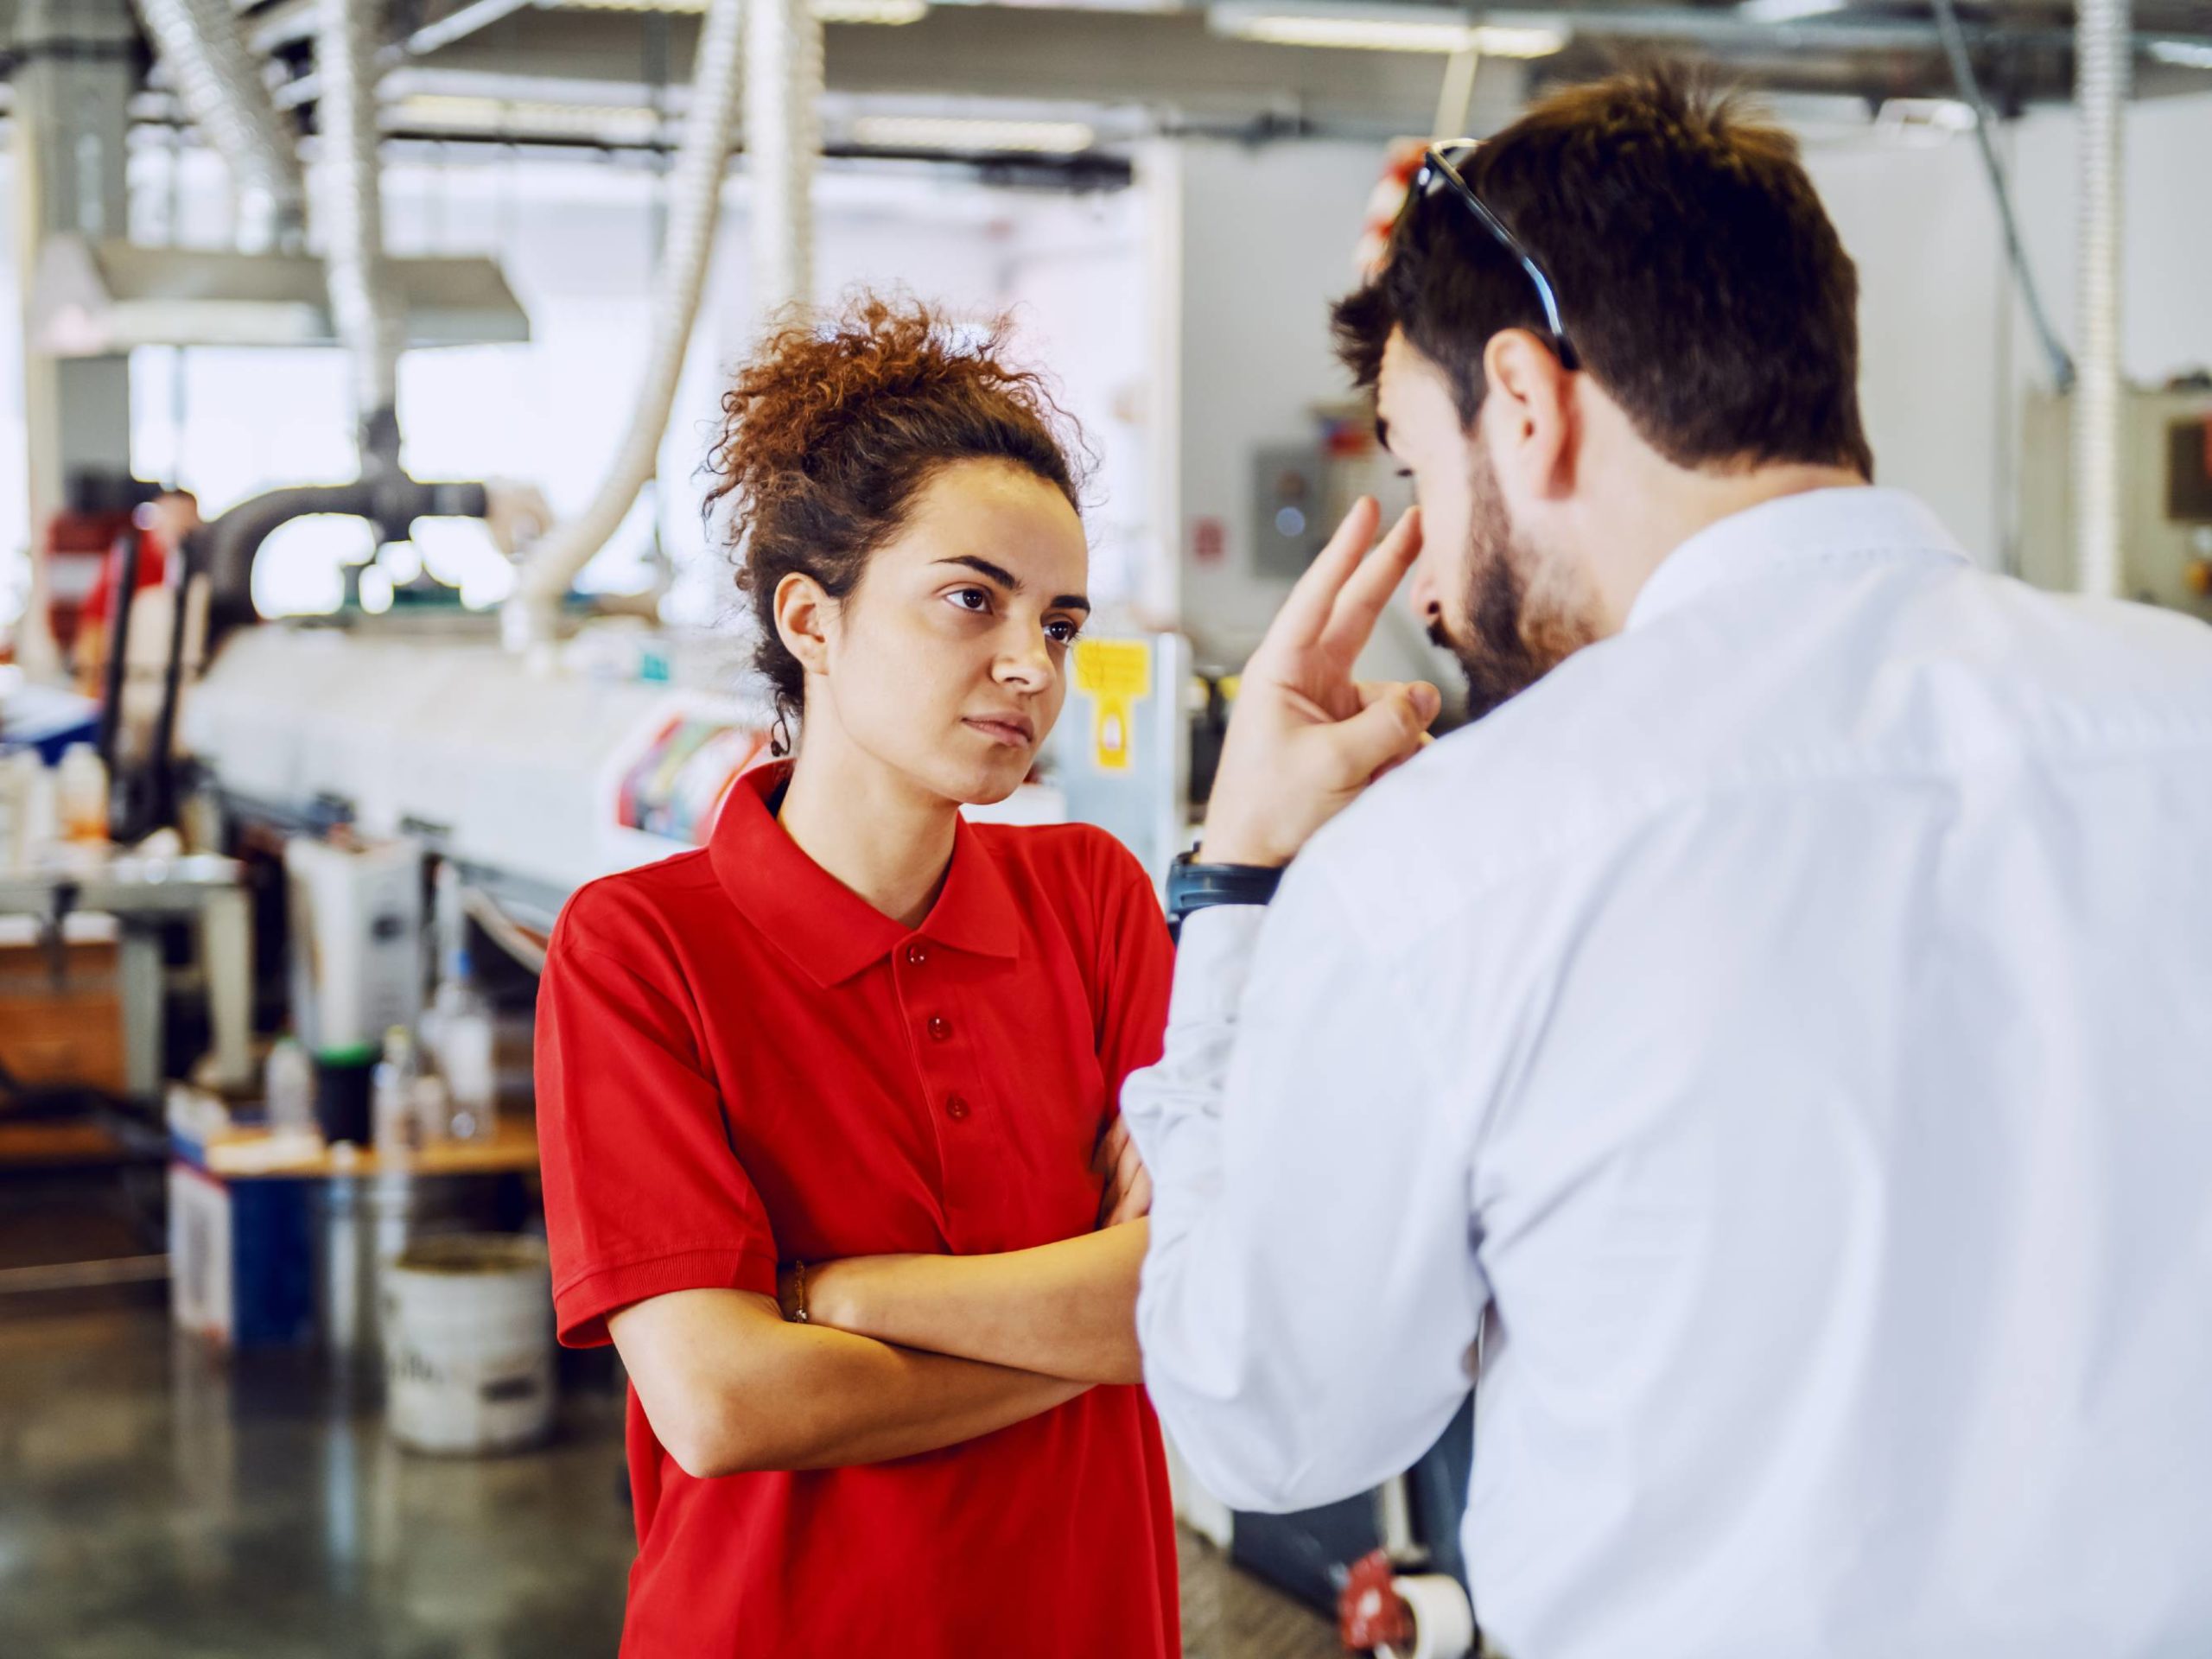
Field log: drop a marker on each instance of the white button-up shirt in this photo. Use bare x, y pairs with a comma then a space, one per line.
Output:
1791, 1020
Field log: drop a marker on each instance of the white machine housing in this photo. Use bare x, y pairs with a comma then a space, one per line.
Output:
452, 741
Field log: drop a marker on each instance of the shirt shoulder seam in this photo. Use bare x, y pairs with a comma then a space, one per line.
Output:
684, 1011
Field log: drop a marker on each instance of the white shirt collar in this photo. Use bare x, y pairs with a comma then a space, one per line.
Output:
1854, 522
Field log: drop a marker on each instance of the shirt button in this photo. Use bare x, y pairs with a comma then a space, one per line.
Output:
916, 953
940, 1028
955, 1109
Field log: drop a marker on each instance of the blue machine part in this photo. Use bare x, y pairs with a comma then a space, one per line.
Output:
1308, 1553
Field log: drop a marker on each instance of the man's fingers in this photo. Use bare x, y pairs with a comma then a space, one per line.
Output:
1387, 729
1428, 701
1306, 612
1362, 600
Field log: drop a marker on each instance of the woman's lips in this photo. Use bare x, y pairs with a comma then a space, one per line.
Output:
1013, 731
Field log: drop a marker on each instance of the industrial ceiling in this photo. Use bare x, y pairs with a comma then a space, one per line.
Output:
921, 77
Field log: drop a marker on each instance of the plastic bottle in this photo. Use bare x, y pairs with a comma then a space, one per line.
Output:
82, 781
433, 1110
449, 952
287, 1083
392, 1110
14, 815
459, 1023
465, 1043
34, 787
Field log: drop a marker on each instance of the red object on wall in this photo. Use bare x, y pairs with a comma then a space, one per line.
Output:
76, 551
1208, 540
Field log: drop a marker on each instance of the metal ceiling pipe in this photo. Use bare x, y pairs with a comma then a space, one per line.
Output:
219, 83
783, 146
459, 25
350, 209
2102, 64
388, 498
696, 209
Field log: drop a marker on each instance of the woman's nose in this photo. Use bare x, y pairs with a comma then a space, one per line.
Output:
1029, 667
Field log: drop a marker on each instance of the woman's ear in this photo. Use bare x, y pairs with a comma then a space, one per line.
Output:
803, 617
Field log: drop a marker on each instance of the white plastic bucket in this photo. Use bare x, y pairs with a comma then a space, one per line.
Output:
468, 1344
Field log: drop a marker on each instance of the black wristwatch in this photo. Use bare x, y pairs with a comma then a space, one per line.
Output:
1192, 885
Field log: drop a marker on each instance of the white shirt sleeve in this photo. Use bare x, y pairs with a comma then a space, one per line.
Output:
1311, 1296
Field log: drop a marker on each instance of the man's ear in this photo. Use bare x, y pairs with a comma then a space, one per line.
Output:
803, 616
1533, 437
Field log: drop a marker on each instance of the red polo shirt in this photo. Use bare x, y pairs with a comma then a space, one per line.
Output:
740, 1062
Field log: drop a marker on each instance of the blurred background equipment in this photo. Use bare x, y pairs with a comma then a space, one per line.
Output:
358, 606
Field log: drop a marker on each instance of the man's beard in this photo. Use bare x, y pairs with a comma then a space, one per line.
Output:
1515, 639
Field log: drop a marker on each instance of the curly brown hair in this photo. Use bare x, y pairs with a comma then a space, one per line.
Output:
834, 425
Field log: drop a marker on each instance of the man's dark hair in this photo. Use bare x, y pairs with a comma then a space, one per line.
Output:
1697, 274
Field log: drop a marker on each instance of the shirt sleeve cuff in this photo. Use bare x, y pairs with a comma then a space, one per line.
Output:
582, 1304
1212, 960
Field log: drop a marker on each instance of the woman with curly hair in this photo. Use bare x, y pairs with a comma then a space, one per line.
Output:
828, 1107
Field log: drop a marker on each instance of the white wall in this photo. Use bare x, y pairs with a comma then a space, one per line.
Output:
2166, 296
1268, 238
1920, 226
1948, 352
1075, 269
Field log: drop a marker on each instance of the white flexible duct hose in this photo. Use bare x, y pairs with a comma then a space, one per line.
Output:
783, 142
221, 87
695, 211
2103, 59
350, 205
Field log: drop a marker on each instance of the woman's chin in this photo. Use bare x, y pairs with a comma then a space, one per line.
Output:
992, 792
988, 784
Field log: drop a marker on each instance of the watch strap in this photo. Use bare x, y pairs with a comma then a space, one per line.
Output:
1194, 887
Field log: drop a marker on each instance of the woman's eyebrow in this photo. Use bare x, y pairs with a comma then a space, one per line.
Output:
1012, 583
999, 573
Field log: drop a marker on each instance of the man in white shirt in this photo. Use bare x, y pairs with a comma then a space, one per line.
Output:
1786, 1019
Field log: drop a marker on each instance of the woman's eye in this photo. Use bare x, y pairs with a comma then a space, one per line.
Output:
1063, 633
972, 600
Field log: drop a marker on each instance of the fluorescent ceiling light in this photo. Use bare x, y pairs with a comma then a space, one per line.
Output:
1519, 41
888, 12
1382, 29
1787, 11
972, 137
2183, 55
1356, 33
613, 124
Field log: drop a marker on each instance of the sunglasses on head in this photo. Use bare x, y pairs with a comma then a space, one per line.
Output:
1439, 169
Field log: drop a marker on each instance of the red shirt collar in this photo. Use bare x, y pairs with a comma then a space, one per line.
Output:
823, 926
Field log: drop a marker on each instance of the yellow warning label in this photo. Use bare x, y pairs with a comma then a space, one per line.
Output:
1117, 674
1113, 668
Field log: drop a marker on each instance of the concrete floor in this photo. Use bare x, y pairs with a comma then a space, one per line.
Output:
155, 1498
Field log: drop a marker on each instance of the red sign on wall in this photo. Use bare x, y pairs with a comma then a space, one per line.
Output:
1208, 540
